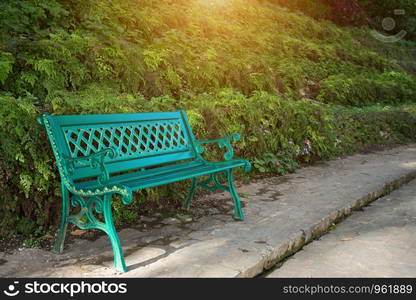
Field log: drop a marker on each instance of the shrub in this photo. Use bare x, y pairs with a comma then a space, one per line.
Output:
361, 128
266, 122
27, 180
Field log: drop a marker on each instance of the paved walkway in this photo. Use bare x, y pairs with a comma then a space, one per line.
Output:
283, 214
379, 241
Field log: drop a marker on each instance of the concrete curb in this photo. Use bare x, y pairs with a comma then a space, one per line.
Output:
378, 241
306, 236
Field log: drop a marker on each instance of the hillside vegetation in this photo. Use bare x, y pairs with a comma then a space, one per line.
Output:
297, 86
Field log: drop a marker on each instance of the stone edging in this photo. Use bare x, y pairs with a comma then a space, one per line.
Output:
304, 237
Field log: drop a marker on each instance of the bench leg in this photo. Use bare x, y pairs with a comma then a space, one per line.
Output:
191, 194
58, 246
119, 263
238, 212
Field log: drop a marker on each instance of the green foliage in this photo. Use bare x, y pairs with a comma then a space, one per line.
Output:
6, 65
27, 181
368, 88
267, 123
360, 128
246, 66
173, 48
279, 163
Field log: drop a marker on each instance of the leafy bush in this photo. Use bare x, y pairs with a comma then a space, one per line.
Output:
27, 180
368, 89
266, 122
361, 128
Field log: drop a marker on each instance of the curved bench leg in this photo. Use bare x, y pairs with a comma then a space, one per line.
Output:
58, 246
119, 263
191, 194
238, 212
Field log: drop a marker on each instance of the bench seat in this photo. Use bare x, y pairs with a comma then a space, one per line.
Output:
167, 174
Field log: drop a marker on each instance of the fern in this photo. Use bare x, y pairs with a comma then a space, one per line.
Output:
6, 65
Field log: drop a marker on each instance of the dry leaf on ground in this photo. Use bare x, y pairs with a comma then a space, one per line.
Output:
78, 232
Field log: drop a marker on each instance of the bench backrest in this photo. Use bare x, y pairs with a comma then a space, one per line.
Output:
141, 139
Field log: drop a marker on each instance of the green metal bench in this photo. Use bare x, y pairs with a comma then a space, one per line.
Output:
99, 156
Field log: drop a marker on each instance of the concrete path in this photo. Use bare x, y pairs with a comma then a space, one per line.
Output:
379, 241
282, 215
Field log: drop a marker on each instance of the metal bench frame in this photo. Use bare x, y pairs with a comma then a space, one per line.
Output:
99, 156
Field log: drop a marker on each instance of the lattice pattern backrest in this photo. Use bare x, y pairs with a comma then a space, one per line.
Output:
138, 139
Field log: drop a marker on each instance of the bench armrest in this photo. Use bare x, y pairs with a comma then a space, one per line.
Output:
95, 161
223, 142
